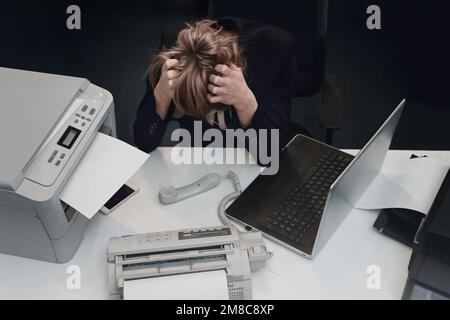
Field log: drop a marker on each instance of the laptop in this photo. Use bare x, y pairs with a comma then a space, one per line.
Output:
314, 190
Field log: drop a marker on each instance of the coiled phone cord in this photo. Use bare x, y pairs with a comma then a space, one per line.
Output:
229, 197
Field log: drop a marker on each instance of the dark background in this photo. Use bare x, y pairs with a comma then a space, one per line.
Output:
409, 57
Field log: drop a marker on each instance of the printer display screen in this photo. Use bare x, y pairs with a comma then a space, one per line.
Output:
69, 137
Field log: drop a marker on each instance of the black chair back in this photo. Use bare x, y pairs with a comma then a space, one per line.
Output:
305, 20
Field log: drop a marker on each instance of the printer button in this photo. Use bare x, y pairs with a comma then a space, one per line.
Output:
52, 156
58, 163
85, 107
76, 121
62, 156
83, 124
92, 111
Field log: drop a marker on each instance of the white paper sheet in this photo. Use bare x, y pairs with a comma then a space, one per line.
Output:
208, 285
106, 166
410, 184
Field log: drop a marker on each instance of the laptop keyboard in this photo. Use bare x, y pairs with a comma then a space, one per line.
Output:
303, 207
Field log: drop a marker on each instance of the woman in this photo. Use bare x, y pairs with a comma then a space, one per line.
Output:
228, 73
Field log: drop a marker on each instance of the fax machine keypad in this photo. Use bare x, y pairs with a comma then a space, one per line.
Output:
154, 237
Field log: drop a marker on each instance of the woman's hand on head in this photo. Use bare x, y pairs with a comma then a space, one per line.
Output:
164, 89
229, 87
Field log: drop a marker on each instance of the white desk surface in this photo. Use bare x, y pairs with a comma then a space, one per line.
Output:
338, 272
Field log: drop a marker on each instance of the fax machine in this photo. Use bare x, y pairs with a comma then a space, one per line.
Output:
184, 251
47, 122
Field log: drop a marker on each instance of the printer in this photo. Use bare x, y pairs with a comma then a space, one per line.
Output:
47, 122
159, 254
429, 267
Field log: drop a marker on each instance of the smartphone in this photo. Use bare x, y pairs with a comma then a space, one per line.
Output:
123, 194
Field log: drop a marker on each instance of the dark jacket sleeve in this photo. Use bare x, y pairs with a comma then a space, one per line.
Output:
273, 113
149, 128
274, 97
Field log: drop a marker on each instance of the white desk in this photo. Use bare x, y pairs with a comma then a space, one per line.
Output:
339, 270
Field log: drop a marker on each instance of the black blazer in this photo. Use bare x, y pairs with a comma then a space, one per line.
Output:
271, 59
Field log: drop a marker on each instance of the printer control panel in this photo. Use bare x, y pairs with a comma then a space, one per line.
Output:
59, 148
169, 239
149, 238
160, 237
204, 233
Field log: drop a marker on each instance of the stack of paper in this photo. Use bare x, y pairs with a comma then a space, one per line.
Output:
410, 184
208, 285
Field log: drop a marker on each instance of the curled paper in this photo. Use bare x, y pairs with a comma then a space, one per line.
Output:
409, 184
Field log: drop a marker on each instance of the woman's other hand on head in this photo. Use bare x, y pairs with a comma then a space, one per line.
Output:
229, 87
164, 90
